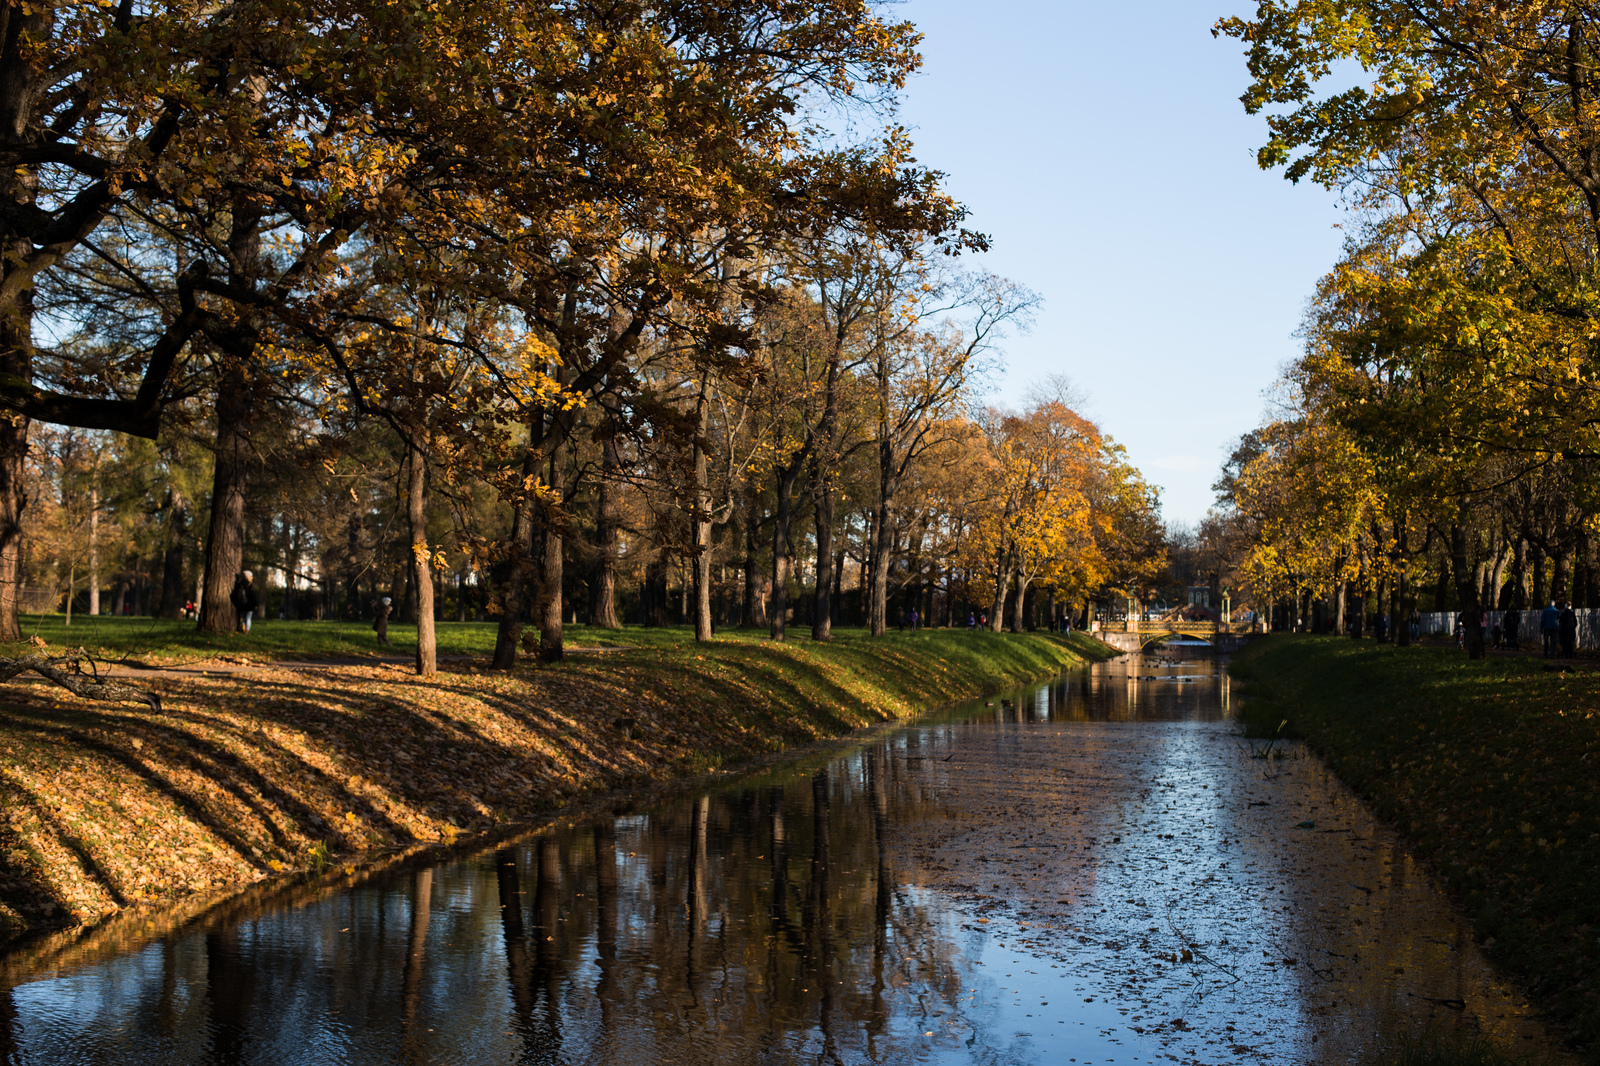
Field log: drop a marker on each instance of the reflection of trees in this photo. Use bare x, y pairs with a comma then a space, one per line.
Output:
229, 982
772, 913
9, 1051
421, 911
768, 910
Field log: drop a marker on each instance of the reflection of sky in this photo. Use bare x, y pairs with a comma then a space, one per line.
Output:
1008, 883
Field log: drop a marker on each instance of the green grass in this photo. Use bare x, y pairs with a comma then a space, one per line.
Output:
160, 641
1491, 767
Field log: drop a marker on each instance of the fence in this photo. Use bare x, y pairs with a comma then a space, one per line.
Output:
1443, 623
33, 600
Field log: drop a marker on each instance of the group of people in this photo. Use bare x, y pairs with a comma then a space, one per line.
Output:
1558, 626
1558, 629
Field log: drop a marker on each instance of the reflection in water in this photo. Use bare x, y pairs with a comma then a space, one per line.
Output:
960, 892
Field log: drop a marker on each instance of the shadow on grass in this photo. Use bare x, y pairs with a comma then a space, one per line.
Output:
247, 772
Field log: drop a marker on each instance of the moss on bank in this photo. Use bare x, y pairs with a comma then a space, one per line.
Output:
265, 769
1491, 767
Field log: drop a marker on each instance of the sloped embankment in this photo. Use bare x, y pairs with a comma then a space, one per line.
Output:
1492, 768
241, 776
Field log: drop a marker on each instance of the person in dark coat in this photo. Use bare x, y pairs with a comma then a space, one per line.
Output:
1567, 626
1510, 624
244, 599
380, 620
1549, 628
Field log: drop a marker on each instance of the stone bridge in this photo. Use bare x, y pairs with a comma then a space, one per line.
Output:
1132, 635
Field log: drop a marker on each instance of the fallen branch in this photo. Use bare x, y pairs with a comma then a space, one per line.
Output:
79, 673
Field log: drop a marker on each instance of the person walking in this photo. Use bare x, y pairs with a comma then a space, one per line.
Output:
1567, 628
1416, 625
380, 621
915, 618
1549, 628
1509, 625
244, 599
972, 621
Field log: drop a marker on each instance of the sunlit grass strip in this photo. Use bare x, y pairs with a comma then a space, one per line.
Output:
1491, 767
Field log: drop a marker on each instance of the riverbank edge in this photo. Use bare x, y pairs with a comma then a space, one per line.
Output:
689, 722
1478, 765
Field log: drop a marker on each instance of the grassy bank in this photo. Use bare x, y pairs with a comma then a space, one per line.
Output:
1492, 768
264, 769
160, 641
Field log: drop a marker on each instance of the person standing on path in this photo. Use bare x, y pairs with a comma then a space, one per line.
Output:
380, 621
915, 618
1509, 625
244, 599
1549, 626
1567, 626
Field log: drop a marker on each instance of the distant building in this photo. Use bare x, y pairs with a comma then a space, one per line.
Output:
1199, 595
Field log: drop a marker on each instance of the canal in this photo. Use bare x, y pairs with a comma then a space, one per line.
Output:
1093, 870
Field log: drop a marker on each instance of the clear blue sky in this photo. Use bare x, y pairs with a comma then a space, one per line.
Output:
1104, 148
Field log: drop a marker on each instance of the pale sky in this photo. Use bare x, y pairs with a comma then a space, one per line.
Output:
1104, 148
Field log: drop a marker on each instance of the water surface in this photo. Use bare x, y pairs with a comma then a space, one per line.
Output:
1094, 870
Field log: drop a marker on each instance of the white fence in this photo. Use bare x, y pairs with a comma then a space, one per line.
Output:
1443, 623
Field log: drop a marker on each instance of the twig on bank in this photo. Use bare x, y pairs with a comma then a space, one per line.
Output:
80, 674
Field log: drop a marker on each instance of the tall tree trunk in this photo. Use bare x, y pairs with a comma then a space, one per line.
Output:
1408, 604
1002, 588
235, 409
173, 588
552, 647
822, 520
882, 541
225, 536
1467, 590
20, 96
754, 615
824, 456
782, 551
1519, 573
603, 587
13, 488
1561, 581
1539, 578
1585, 592
1503, 556
514, 593
701, 522
421, 554
94, 550
653, 596
1018, 618
1381, 600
